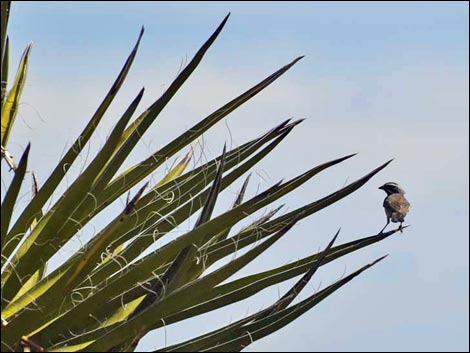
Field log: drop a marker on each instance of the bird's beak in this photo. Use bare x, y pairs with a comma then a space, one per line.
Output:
381, 187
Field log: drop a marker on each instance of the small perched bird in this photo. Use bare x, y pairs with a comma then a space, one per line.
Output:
395, 204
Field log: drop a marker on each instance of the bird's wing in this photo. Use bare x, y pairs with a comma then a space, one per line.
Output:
397, 203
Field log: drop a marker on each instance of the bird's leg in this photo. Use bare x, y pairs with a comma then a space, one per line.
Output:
400, 228
388, 221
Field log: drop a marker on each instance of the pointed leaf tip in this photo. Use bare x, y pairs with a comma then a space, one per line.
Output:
386, 163
188, 156
131, 204
224, 21
332, 242
376, 170
141, 34
379, 259
350, 156
297, 122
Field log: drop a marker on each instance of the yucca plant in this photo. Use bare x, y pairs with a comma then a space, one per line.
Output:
113, 290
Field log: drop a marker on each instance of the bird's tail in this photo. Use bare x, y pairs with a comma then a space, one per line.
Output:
397, 217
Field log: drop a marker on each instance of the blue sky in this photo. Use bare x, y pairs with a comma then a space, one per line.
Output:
386, 80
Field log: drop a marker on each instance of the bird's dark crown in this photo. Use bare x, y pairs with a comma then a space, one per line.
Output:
392, 188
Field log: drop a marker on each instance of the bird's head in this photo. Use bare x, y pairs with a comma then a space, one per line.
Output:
392, 188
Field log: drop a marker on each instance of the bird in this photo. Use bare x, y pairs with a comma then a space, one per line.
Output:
395, 204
